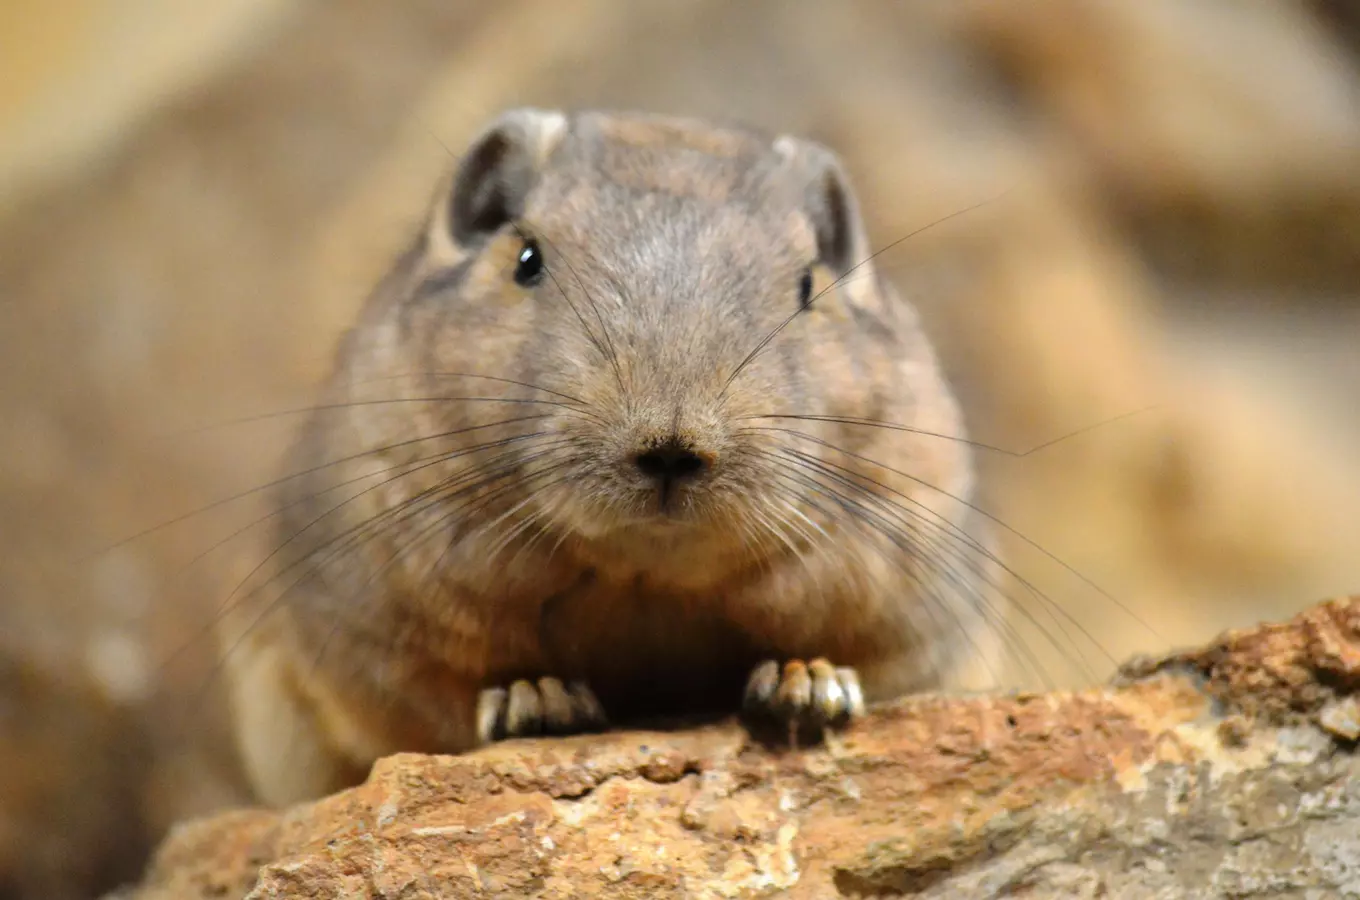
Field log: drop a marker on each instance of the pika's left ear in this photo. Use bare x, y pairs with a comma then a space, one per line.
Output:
829, 201
498, 170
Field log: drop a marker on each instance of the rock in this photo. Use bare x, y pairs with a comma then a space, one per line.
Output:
1207, 773
65, 833
1221, 167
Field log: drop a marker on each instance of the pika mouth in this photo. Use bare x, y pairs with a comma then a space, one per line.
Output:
667, 505
665, 508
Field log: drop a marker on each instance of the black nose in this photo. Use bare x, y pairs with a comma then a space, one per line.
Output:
670, 463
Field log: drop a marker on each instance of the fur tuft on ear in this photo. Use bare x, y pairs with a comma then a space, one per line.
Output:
829, 201
499, 169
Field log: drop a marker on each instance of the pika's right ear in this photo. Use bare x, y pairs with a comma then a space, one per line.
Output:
829, 201
498, 170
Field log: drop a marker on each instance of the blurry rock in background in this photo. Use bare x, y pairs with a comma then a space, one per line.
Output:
1223, 137
65, 795
1164, 219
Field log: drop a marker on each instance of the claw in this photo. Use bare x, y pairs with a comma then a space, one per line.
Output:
528, 708
805, 696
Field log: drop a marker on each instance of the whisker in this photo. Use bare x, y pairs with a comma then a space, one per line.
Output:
975, 508
354, 404
227, 603
441, 523
338, 621
911, 550
765, 341
500, 545
545, 514
340, 544
932, 519
442, 374
443, 520
913, 522
978, 445
612, 353
425, 499
537, 520
1056, 612
278, 482
432, 459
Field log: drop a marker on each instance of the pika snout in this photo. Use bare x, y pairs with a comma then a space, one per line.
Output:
671, 465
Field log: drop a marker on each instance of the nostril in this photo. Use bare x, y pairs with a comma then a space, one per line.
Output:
670, 463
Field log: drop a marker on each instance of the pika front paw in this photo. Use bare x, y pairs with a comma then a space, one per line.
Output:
544, 706
805, 697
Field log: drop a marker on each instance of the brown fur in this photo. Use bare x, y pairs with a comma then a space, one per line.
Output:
672, 248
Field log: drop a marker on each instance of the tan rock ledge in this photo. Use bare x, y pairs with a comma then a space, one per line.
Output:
1228, 771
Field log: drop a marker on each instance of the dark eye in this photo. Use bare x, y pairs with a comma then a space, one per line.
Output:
805, 288
529, 268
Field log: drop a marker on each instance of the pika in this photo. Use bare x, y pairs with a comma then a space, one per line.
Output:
633, 426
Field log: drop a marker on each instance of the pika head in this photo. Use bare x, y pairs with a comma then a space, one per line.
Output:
672, 296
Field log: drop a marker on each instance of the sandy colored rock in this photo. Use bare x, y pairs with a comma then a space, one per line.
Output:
1221, 166
65, 833
1305, 670
1129, 791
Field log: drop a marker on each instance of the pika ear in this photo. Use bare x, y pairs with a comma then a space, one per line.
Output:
829, 201
498, 170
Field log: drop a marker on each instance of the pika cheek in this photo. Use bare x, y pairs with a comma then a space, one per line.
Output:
509, 296
493, 279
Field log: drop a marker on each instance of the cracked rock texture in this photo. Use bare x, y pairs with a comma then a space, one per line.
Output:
1227, 771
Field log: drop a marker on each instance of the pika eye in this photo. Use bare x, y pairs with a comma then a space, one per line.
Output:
805, 288
529, 267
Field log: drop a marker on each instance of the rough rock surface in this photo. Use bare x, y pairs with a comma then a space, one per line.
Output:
1227, 771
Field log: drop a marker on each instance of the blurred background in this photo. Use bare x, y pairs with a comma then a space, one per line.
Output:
194, 199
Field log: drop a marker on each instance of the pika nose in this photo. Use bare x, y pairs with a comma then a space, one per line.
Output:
670, 462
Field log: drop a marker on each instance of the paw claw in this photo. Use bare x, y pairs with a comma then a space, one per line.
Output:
524, 710
558, 710
762, 684
828, 696
586, 706
854, 693
808, 696
528, 708
490, 713
794, 695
